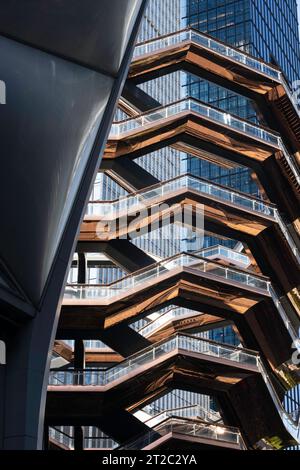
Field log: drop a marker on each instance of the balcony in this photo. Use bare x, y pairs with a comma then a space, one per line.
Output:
206, 131
122, 128
104, 380
154, 273
112, 210
191, 35
215, 61
139, 200
103, 377
191, 431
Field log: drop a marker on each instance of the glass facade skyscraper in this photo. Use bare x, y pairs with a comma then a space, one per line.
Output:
266, 29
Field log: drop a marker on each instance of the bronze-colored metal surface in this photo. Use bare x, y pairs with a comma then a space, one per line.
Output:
260, 232
143, 139
199, 132
188, 442
243, 397
94, 355
250, 310
268, 93
192, 57
241, 390
63, 350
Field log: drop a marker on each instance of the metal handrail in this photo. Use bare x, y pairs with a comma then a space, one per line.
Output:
291, 426
181, 182
187, 342
171, 313
151, 187
202, 109
223, 49
182, 260
211, 417
187, 426
194, 33
194, 105
178, 341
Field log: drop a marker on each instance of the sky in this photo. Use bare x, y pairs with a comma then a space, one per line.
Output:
299, 13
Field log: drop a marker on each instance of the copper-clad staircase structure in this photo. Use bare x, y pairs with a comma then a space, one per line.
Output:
255, 288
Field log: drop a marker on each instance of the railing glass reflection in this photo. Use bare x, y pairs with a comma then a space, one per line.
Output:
287, 418
166, 317
209, 43
202, 109
101, 377
185, 182
140, 200
192, 411
198, 263
225, 252
65, 439
191, 35
188, 427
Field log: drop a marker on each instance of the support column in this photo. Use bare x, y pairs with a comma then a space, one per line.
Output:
79, 361
46, 437
78, 438
82, 269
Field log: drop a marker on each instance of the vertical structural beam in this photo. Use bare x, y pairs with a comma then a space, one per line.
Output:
79, 361
79, 364
78, 438
79, 354
82, 269
46, 437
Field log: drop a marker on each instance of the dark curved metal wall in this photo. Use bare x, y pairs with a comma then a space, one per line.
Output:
63, 69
